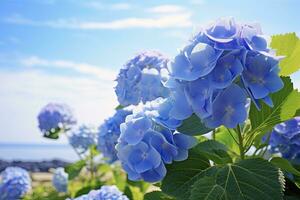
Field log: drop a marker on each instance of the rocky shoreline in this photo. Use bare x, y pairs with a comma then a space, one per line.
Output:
34, 166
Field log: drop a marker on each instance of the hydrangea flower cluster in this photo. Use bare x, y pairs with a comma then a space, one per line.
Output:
109, 132
83, 137
104, 193
145, 146
60, 180
285, 139
15, 183
140, 79
54, 118
221, 67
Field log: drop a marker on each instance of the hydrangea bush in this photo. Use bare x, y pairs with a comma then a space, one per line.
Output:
55, 118
83, 137
285, 139
60, 180
15, 182
200, 125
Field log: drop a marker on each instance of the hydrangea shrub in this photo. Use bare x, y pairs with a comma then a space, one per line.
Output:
83, 137
54, 118
227, 75
285, 139
60, 180
193, 125
15, 183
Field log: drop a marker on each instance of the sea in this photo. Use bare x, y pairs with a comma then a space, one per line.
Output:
37, 152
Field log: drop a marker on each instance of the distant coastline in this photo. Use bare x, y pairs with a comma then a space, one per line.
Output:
36, 152
32, 145
38, 166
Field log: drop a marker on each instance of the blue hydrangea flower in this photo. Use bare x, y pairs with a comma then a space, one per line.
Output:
60, 180
252, 38
83, 137
144, 146
104, 193
140, 79
15, 183
193, 63
229, 108
227, 69
54, 118
221, 56
285, 139
109, 132
160, 110
260, 76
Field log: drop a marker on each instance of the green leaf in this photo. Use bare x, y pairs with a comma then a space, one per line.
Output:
206, 188
142, 185
287, 45
119, 178
86, 189
250, 179
193, 126
133, 193
286, 103
253, 179
74, 169
291, 198
119, 107
284, 165
214, 151
156, 195
223, 136
182, 175
54, 135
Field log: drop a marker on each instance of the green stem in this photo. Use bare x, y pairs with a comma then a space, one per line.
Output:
241, 145
92, 164
214, 134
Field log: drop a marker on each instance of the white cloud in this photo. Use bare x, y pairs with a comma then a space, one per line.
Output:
172, 20
168, 8
83, 68
24, 93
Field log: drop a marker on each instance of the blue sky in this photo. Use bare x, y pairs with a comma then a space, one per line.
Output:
70, 50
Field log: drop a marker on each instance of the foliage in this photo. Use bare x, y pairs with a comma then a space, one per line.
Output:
286, 102
193, 126
287, 45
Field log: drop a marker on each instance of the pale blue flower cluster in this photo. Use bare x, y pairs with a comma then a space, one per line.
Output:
60, 180
140, 79
223, 65
109, 132
54, 118
285, 139
15, 183
104, 193
83, 137
145, 145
